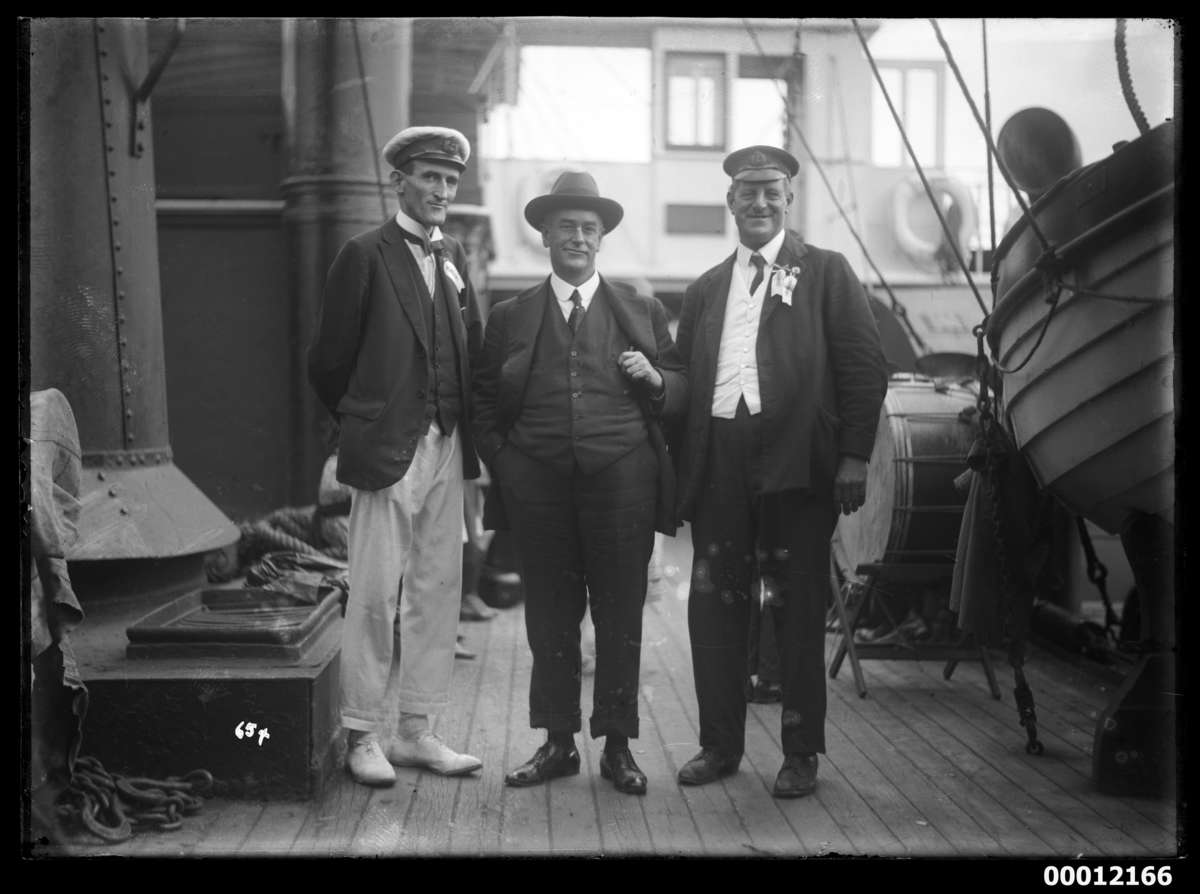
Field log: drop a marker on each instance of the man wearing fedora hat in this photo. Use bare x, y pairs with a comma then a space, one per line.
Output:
399, 326
786, 377
574, 376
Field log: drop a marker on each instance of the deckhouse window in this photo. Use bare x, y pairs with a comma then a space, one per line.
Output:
761, 93
916, 92
695, 101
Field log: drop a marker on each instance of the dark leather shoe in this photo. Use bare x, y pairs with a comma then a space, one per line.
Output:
707, 766
548, 762
797, 777
626, 776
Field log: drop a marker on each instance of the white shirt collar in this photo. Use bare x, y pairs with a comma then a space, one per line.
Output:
770, 251
563, 289
407, 223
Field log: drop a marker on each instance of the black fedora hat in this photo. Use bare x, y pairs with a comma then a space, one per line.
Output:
574, 189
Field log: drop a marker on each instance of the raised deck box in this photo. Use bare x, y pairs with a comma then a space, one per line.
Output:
178, 706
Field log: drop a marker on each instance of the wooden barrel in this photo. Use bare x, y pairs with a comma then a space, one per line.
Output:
912, 511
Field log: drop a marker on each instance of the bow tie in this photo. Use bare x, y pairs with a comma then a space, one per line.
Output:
429, 246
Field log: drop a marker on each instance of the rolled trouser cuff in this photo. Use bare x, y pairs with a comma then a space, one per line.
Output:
556, 723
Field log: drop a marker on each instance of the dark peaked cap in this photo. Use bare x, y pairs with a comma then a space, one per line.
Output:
574, 189
761, 163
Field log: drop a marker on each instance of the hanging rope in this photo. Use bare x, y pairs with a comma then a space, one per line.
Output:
1131, 101
1053, 301
897, 308
951, 237
987, 113
362, 80
987, 135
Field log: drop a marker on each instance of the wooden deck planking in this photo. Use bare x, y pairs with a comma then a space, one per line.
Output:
1062, 790
922, 767
1067, 713
179, 843
955, 744
333, 831
913, 834
720, 826
865, 832
227, 836
805, 825
1076, 729
524, 820
923, 792
902, 729
673, 830
475, 823
1072, 771
795, 827
622, 821
276, 829
432, 798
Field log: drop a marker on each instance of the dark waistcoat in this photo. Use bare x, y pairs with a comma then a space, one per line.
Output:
578, 407
445, 390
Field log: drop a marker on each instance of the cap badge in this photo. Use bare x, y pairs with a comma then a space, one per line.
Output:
757, 159
450, 146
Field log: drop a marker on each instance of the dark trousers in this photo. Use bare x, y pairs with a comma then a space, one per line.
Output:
739, 533
579, 538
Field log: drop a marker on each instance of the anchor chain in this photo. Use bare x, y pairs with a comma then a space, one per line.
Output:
113, 808
993, 442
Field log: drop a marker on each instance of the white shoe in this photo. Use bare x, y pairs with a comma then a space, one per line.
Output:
430, 752
366, 762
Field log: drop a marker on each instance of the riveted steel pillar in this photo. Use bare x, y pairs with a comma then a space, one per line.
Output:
336, 186
95, 303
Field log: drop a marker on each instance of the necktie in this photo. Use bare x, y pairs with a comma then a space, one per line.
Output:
425, 243
759, 262
576, 311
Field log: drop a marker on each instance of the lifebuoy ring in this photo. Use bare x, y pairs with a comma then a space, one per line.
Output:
537, 184
957, 207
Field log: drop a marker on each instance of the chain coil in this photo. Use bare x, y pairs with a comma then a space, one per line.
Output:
114, 808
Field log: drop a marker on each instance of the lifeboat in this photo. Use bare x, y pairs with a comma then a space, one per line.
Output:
1088, 378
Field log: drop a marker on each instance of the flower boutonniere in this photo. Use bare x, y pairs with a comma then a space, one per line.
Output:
783, 282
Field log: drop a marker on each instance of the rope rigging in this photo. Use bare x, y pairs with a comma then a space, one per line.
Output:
897, 308
1050, 263
987, 112
951, 238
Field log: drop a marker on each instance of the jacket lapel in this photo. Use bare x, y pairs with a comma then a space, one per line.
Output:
633, 319
790, 254
407, 282
523, 327
714, 313
454, 310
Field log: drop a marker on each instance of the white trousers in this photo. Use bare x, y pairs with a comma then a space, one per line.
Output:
398, 649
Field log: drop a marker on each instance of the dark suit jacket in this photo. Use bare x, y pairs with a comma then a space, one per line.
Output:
499, 388
821, 372
370, 362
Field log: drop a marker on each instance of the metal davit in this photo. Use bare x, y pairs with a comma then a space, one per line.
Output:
95, 312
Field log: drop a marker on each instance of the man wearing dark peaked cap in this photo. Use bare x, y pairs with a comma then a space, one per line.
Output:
575, 375
391, 360
786, 377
